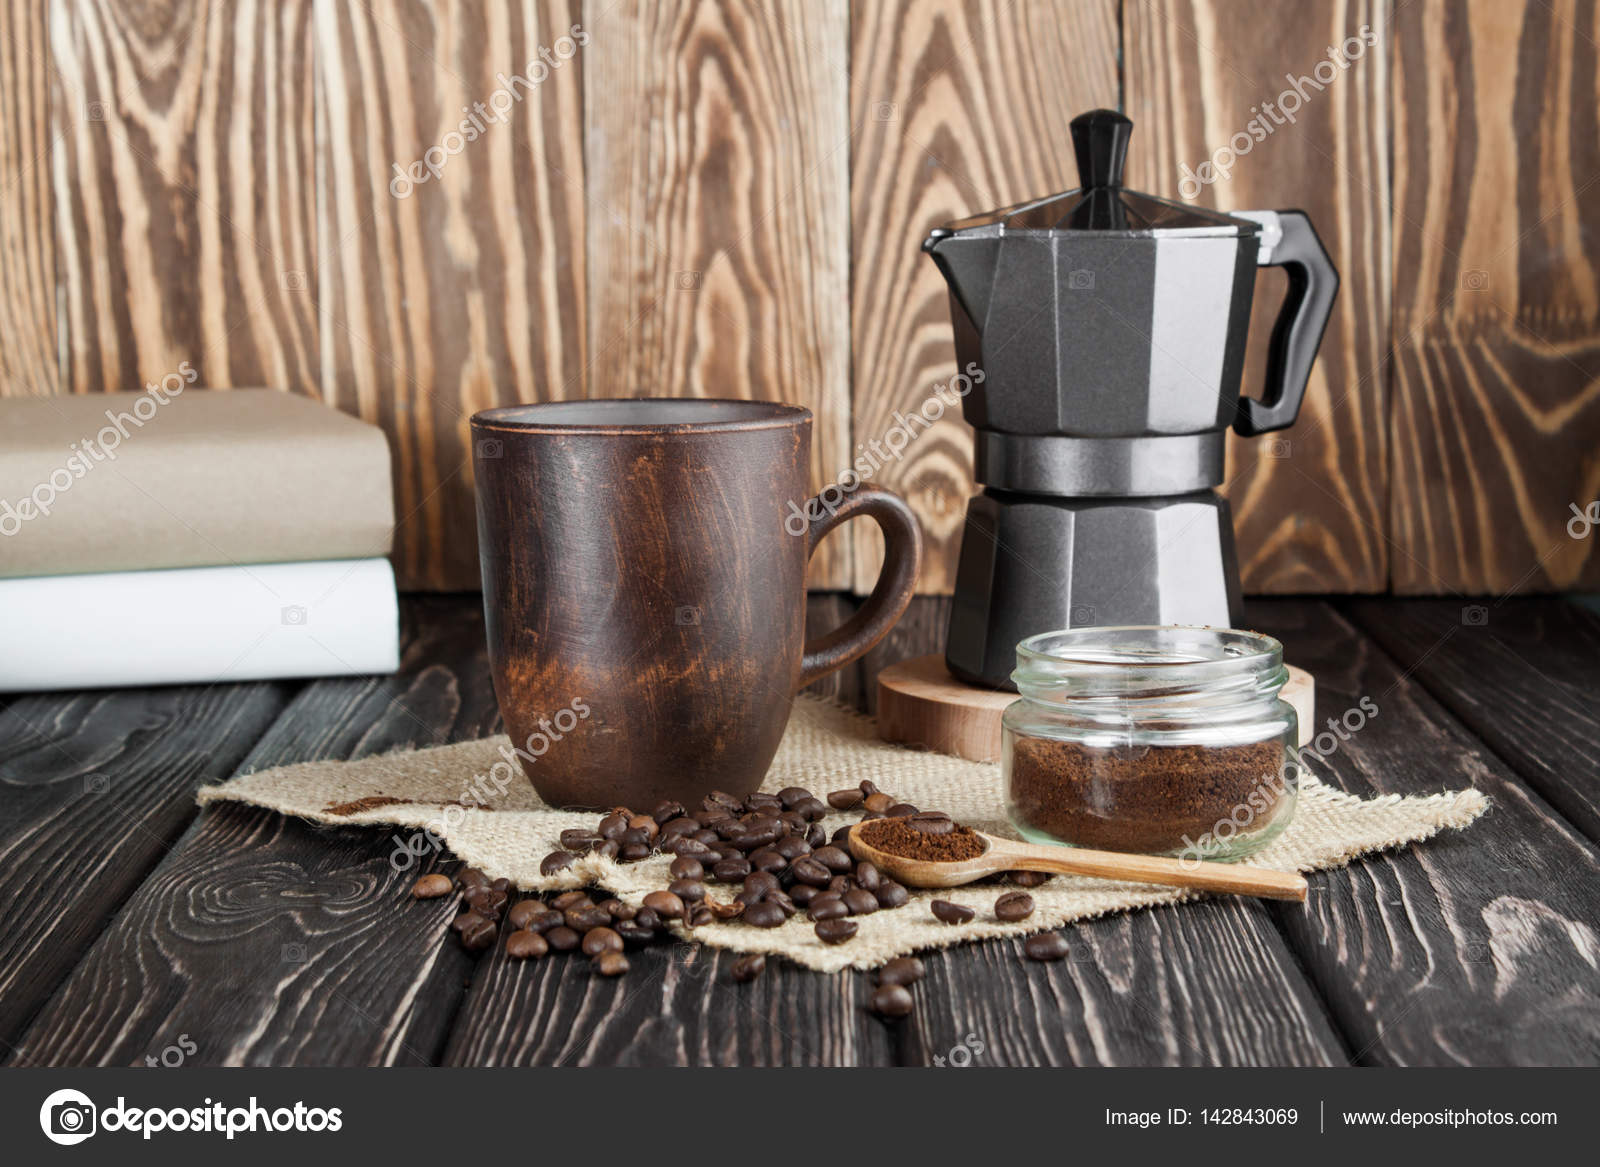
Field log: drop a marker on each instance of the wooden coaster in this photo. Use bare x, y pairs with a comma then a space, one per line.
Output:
920, 704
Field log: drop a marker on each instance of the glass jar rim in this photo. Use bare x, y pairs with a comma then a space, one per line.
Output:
1134, 659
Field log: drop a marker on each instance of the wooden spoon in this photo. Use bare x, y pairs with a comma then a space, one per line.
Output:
1010, 855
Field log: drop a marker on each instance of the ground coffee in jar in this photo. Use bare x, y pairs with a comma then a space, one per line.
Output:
1162, 740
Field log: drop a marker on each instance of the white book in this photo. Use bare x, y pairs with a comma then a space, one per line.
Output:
199, 625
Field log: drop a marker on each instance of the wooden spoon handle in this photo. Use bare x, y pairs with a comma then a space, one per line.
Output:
1228, 878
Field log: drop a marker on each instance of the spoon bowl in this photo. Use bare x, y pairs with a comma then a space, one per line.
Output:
1010, 855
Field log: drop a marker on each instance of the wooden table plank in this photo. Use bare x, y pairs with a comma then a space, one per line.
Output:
1210, 983
677, 1006
1476, 948
1524, 675
271, 942
94, 788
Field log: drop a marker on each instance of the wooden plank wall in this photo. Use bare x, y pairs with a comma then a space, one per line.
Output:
726, 198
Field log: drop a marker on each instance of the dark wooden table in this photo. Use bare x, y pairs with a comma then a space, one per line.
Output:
135, 927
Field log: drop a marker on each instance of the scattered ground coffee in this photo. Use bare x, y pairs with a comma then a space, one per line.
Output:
1154, 800
898, 837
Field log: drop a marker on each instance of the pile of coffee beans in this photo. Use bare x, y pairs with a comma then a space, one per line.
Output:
772, 848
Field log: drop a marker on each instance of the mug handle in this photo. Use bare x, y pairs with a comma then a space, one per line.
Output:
890, 595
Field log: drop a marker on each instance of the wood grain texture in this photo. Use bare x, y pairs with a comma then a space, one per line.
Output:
1208, 984
185, 225
1497, 294
957, 106
718, 151
467, 291
1310, 503
94, 788
1478, 947
1524, 675
677, 1007
272, 942
27, 236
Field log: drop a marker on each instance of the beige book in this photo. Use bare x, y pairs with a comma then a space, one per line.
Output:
187, 477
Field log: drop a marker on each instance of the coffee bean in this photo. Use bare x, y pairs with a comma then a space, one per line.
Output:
840, 839
667, 810
813, 810
930, 823
583, 919
598, 940
690, 891
648, 918
809, 871
665, 903
607, 848
1046, 946
816, 836
562, 938
731, 870
478, 933
646, 824
1013, 906
902, 970
891, 1001
900, 810
877, 802
576, 898
611, 964
748, 968
686, 867
556, 861
466, 919
634, 837
1028, 878
576, 840
471, 877
891, 894
761, 882
502, 885
633, 932
835, 859
830, 909
845, 799
633, 852
790, 795
520, 915
700, 915
526, 945
764, 915
868, 787
803, 893
731, 910
835, 931
618, 910
792, 848
486, 900
722, 799
785, 904
860, 901
431, 887
840, 884
613, 825
950, 913
867, 876
768, 860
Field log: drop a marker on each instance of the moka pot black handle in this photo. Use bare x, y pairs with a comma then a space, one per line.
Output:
1313, 283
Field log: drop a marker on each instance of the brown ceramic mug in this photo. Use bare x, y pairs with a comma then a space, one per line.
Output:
644, 590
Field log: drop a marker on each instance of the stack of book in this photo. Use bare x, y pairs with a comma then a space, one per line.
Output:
190, 535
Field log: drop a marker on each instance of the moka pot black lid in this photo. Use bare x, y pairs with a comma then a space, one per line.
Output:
1101, 203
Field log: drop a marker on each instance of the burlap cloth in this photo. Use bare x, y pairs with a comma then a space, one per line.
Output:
826, 748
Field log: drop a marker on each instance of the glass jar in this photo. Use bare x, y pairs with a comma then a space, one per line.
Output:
1161, 740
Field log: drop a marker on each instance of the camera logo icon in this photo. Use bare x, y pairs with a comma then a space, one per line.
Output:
1080, 281
294, 614
1082, 615
1474, 615
67, 1117
687, 616
490, 448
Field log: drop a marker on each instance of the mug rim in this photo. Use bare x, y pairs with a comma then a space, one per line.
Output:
702, 415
